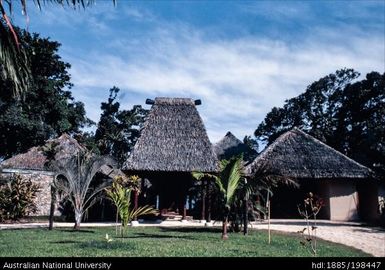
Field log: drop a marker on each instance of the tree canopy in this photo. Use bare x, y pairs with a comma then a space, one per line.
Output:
118, 130
48, 109
340, 110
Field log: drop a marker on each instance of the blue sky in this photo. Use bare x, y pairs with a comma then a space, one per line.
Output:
241, 58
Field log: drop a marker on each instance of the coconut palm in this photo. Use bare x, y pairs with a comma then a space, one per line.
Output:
74, 180
13, 60
230, 178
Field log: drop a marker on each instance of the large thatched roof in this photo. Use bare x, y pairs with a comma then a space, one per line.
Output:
173, 139
34, 158
230, 146
298, 155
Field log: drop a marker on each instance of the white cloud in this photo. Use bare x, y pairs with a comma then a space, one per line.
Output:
239, 81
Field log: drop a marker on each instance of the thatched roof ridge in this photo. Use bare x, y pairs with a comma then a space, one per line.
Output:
34, 158
298, 155
173, 139
230, 146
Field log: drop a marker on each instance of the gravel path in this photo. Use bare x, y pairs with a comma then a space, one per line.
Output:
367, 239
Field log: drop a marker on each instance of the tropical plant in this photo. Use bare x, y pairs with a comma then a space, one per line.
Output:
121, 197
17, 198
260, 186
243, 195
74, 180
14, 62
228, 181
312, 204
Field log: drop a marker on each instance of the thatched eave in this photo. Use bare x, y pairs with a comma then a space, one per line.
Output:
296, 154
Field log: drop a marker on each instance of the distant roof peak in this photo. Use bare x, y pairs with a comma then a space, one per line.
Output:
229, 134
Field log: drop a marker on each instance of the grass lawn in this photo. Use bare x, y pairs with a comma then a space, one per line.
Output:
158, 242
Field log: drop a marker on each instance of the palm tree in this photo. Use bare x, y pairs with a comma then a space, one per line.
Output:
121, 197
74, 177
230, 178
13, 60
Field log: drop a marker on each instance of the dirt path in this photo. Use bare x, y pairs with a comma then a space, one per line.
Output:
367, 239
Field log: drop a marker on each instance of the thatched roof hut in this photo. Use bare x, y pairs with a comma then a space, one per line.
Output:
173, 139
342, 182
34, 159
32, 165
230, 146
298, 155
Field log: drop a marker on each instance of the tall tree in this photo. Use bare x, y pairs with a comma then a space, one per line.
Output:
346, 114
118, 130
14, 62
47, 109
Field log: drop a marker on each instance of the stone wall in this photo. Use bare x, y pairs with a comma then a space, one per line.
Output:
44, 180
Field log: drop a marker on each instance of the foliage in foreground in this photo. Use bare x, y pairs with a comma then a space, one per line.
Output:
312, 204
13, 56
17, 198
228, 181
120, 194
159, 242
77, 184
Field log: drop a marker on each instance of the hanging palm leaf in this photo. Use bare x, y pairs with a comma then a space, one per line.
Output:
14, 64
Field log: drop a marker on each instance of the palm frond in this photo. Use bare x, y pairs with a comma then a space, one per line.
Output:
234, 179
14, 64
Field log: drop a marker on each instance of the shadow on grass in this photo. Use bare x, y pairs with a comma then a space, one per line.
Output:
191, 230
160, 236
64, 242
114, 245
75, 231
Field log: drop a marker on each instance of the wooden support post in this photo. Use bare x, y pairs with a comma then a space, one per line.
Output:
245, 217
182, 208
136, 195
268, 217
208, 194
203, 213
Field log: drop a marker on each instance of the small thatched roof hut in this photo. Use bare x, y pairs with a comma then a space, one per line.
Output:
298, 155
320, 169
34, 159
173, 139
230, 146
33, 165
172, 144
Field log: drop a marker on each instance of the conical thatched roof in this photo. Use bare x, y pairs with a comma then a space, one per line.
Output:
173, 139
298, 155
230, 146
35, 159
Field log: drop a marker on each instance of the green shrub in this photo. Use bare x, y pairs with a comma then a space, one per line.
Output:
17, 198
